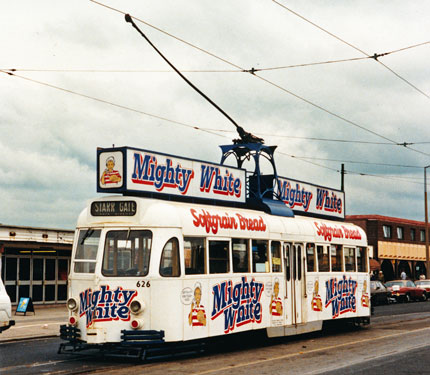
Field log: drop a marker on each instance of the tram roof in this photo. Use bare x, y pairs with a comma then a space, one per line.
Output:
207, 220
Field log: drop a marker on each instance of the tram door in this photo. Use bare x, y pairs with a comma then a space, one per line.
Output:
293, 257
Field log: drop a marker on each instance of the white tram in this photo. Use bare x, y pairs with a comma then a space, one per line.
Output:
172, 272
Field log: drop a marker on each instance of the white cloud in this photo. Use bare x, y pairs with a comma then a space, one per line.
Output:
50, 137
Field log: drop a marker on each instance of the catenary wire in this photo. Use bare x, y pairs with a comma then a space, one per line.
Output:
175, 122
352, 46
239, 70
110, 103
323, 139
252, 71
359, 162
304, 159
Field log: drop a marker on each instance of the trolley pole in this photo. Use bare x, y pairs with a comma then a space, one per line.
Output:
427, 224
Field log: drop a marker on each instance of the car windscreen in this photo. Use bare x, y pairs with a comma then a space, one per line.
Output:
392, 283
423, 283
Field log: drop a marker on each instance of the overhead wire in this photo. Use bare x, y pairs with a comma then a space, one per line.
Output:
353, 46
277, 135
238, 70
119, 70
178, 123
253, 72
388, 177
110, 103
304, 159
360, 162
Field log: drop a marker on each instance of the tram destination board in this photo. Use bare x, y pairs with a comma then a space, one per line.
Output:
113, 208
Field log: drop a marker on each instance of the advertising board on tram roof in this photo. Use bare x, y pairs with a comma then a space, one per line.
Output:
311, 199
131, 170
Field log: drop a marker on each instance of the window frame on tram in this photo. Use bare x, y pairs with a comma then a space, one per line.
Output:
168, 266
201, 249
140, 258
88, 258
237, 261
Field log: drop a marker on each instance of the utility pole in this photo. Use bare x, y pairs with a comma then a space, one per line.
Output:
427, 224
342, 178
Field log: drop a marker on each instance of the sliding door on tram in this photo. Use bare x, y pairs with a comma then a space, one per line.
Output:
294, 278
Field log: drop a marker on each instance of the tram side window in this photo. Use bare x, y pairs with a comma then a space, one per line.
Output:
127, 253
260, 258
240, 249
310, 257
362, 259
323, 260
86, 251
349, 258
169, 263
336, 257
275, 249
194, 255
287, 261
219, 256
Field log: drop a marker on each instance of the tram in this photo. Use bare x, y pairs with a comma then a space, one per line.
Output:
150, 271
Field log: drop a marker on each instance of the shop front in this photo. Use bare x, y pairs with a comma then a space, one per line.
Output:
35, 263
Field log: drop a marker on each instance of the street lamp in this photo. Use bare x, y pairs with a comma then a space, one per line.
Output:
427, 224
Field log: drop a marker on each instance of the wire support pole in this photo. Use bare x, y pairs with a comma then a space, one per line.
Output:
427, 224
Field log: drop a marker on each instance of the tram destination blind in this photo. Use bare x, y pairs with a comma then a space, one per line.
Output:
114, 208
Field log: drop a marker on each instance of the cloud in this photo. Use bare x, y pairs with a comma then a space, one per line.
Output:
50, 137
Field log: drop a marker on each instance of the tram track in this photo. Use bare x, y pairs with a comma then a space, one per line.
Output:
248, 355
302, 353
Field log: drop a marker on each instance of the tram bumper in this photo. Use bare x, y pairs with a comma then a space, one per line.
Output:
139, 337
69, 333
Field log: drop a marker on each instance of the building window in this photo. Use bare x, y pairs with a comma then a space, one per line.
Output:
400, 233
412, 234
422, 235
387, 231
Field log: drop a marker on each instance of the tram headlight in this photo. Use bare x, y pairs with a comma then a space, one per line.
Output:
136, 307
72, 304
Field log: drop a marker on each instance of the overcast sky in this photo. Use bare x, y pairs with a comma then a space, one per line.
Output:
49, 137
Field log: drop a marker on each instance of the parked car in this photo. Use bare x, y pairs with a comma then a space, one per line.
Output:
423, 284
379, 294
406, 290
5, 309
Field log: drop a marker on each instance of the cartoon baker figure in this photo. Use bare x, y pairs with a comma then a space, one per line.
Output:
316, 300
365, 296
110, 175
197, 315
275, 307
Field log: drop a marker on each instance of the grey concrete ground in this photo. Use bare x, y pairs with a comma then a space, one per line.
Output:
44, 323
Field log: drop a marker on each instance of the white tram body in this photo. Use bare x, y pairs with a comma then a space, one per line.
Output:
193, 271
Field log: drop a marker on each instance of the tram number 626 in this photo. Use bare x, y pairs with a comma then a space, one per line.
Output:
143, 284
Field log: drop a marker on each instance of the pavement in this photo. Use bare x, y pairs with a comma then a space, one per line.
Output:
45, 322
